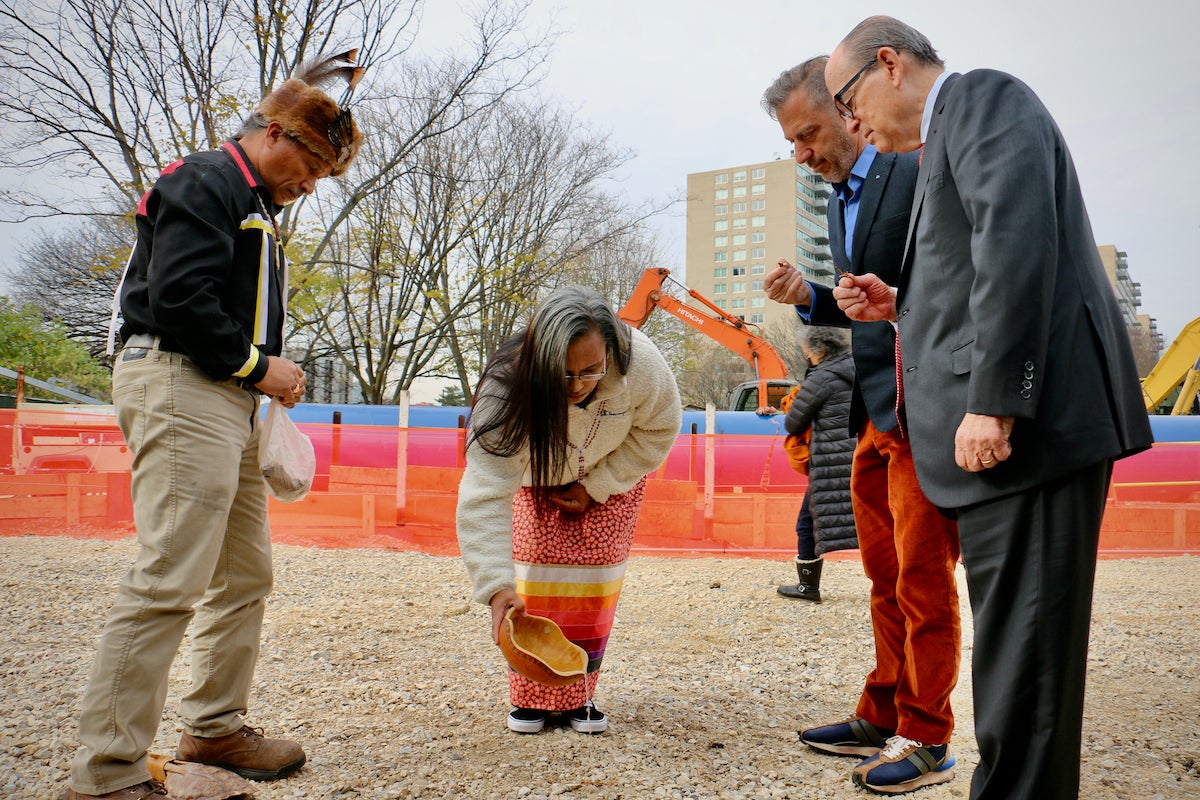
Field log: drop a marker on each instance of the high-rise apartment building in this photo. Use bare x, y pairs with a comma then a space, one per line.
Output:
1143, 329
741, 220
1129, 293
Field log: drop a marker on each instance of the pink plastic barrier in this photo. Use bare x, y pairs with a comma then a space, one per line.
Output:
715, 493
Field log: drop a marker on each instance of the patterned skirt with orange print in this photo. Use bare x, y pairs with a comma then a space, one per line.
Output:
570, 567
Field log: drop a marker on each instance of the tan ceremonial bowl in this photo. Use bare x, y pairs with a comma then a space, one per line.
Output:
536, 648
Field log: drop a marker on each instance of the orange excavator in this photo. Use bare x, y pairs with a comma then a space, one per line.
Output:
771, 373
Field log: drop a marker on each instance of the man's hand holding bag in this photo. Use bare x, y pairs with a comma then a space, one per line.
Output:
286, 456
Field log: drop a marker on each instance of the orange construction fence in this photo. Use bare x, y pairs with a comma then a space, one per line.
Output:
68, 472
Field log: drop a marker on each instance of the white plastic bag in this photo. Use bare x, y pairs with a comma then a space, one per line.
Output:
286, 456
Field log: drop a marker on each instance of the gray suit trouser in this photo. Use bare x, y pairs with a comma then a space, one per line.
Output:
1030, 560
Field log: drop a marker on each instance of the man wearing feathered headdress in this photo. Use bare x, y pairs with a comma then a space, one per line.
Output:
203, 300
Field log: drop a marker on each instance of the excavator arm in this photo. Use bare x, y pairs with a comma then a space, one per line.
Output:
1179, 367
727, 330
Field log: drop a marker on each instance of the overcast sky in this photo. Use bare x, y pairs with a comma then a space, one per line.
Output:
679, 82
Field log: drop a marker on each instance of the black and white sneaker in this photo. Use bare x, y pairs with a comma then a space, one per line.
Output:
526, 720
588, 719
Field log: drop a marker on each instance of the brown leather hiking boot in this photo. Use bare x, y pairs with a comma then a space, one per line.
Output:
147, 789
246, 752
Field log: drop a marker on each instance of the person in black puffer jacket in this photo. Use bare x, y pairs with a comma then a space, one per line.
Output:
823, 404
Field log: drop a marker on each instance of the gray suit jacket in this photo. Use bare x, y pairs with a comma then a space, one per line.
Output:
1004, 307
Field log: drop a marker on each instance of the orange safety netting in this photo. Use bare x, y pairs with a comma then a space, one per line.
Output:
66, 471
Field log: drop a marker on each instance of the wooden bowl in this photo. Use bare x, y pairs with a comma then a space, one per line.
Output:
536, 648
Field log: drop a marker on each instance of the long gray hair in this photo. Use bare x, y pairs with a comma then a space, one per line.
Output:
527, 376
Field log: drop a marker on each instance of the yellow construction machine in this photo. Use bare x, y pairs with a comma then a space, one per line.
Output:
1179, 368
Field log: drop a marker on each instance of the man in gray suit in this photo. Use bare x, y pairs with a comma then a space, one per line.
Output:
909, 549
1018, 377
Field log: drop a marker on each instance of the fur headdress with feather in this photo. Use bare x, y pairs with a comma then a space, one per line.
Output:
311, 117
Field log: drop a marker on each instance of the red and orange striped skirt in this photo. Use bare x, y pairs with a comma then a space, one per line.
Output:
570, 568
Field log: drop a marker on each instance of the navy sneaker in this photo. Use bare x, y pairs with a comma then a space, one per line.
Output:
852, 737
526, 720
904, 765
588, 719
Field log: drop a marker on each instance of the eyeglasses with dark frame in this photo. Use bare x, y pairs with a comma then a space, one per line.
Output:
588, 377
843, 106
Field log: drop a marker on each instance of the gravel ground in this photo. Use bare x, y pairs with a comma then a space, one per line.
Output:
376, 662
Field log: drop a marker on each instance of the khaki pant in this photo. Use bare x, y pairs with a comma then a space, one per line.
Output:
200, 508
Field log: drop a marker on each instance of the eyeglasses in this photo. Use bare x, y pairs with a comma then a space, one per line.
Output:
843, 106
588, 377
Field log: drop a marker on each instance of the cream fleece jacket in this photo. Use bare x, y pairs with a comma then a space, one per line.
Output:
636, 418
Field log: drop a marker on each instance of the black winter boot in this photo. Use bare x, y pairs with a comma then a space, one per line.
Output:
809, 587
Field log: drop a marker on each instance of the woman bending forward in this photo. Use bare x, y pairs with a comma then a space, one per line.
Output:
569, 417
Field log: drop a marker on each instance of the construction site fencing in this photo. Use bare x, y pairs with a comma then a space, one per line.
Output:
66, 470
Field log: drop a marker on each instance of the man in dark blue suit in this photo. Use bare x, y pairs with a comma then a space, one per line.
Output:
1018, 374
909, 548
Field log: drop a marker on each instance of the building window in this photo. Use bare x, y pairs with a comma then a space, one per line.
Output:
739, 255
740, 175
758, 237
758, 269
758, 205
758, 252
756, 286
720, 255
758, 302
739, 238
806, 238
756, 319
758, 172
738, 302
739, 208
758, 188
721, 177
807, 191
719, 288
805, 224
739, 271
739, 191
758, 221
739, 287
722, 194
739, 223
807, 207
721, 209
720, 241
721, 225
720, 272
720, 304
